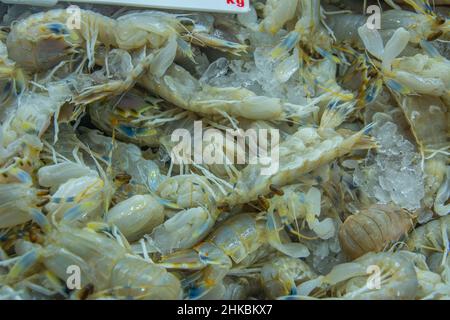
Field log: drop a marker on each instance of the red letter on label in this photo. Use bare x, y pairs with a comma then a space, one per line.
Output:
240, 3
230, 1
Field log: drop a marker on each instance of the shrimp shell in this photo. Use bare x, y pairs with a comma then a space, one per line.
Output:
301, 153
398, 278
420, 111
281, 275
373, 229
136, 216
429, 238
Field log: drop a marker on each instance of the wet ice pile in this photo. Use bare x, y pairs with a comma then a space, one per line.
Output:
394, 172
325, 254
260, 73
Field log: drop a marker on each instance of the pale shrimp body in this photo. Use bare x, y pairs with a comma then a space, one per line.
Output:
183, 230
218, 152
431, 238
295, 209
431, 284
233, 241
304, 151
282, 275
33, 114
136, 216
79, 198
133, 118
416, 74
102, 260
420, 26
54, 175
308, 31
138, 279
373, 229
423, 74
17, 201
48, 40
187, 191
277, 14
179, 87
421, 112
398, 279
12, 79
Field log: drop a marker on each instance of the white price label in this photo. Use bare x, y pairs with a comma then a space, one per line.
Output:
230, 6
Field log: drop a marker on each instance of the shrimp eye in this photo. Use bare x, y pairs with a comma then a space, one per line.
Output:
86, 291
435, 35
7, 87
440, 20
57, 28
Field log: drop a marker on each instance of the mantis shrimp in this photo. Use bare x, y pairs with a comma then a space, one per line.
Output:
180, 88
105, 262
373, 229
293, 208
432, 240
354, 280
421, 25
282, 275
277, 14
12, 79
231, 242
428, 108
304, 151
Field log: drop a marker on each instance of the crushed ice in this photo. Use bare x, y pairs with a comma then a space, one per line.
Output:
394, 172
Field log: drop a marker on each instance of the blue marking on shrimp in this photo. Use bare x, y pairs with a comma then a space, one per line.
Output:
8, 86
72, 213
286, 45
293, 291
127, 130
302, 197
368, 128
327, 55
24, 264
40, 219
397, 87
57, 28
333, 104
271, 225
371, 94
195, 292
430, 49
23, 176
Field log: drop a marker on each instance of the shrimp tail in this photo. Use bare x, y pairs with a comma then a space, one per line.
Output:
335, 114
79, 211
292, 249
25, 263
41, 220
363, 140
286, 45
373, 91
